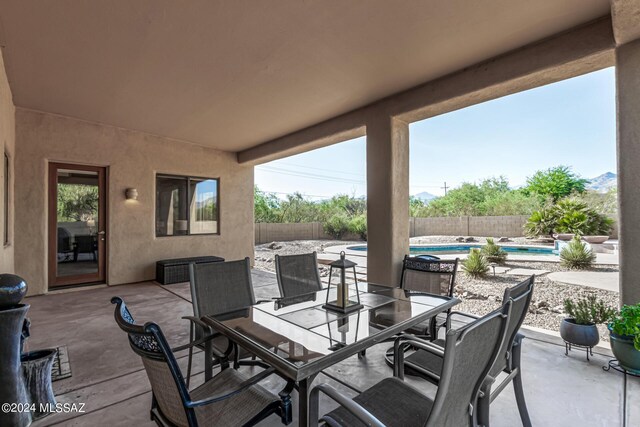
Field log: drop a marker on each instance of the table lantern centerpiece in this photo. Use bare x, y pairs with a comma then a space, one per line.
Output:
342, 304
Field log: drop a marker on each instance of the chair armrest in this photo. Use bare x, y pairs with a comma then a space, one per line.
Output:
242, 387
459, 313
209, 334
262, 301
347, 403
412, 340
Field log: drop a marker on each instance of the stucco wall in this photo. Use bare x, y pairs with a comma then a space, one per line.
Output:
7, 144
133, 158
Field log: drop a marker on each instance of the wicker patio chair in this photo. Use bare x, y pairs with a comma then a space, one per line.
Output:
469, 354
229, 398
297, 274
429, 365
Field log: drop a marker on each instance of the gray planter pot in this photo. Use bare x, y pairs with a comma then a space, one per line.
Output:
627, 355
573, 334
12, 387
36, 367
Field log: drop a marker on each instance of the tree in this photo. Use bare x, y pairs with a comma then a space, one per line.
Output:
266, 206
77, 202
555, 183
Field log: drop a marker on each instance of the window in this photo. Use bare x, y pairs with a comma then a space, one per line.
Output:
186, 205
6, 199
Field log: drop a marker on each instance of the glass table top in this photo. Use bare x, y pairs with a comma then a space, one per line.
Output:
299, 330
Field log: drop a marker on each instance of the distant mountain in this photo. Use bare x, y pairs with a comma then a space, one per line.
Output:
424, 196
603, 183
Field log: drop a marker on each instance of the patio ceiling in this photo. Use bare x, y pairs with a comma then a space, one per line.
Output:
233, 74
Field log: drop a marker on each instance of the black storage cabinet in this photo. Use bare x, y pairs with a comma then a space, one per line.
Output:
170, 271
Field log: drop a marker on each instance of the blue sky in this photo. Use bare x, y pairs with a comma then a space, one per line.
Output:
567, 123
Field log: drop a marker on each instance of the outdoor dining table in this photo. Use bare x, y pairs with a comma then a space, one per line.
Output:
299, 338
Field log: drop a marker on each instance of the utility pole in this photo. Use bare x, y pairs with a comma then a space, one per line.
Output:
445, 188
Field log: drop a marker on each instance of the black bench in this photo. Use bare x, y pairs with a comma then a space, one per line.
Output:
170, 271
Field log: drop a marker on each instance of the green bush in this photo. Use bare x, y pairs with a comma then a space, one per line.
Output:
541, 223
627, 323
493, 252
358, 225
576, 255
589, 310
570, 215
476, 265
337, 225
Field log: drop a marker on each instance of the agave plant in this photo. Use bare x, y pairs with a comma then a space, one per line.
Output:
476, 265
493, 252
576, 255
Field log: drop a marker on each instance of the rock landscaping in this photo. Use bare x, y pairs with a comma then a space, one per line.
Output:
479, 295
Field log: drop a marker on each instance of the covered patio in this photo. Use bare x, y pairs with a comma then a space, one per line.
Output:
167, 107
560, 390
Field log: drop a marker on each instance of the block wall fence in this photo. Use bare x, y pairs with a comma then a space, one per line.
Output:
486, 226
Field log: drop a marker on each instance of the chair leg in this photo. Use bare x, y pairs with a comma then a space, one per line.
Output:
484, 402
191, 338
517, 387
189, 366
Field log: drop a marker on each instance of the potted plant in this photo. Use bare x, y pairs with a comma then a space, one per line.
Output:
624, 331
579, 329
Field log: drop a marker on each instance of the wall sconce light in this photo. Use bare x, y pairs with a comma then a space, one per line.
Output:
131, 194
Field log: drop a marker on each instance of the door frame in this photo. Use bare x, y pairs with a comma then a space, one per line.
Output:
103, 226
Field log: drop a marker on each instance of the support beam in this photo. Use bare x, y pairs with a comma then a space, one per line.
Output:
578, 51
628, 111
625, 15
387, 198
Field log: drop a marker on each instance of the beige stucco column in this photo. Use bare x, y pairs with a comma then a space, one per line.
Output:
628, 115
387, 198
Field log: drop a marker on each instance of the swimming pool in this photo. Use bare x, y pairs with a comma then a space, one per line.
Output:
457, 249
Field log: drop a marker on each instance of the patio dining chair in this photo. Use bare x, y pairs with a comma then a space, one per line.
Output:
429, 365
429, 275
229, 398
217, 288
297, 274
469, 354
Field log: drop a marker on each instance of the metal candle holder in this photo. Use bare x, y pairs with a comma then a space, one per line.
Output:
343, 304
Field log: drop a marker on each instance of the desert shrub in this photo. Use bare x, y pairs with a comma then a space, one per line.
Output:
476, 265
576, 255
570, 215
575, 222
493, 252
358, 225
541, 223
589, 310
336, 225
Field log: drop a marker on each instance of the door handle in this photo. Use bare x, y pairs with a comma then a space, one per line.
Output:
102, 232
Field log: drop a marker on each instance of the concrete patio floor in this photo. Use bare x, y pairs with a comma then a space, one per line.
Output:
109, 379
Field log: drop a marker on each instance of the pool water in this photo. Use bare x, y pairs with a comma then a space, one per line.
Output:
456, 249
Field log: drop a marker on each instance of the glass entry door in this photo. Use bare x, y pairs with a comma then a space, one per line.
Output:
77, 224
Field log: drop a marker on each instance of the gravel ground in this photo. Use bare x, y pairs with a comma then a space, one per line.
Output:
479, 296
264, 254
